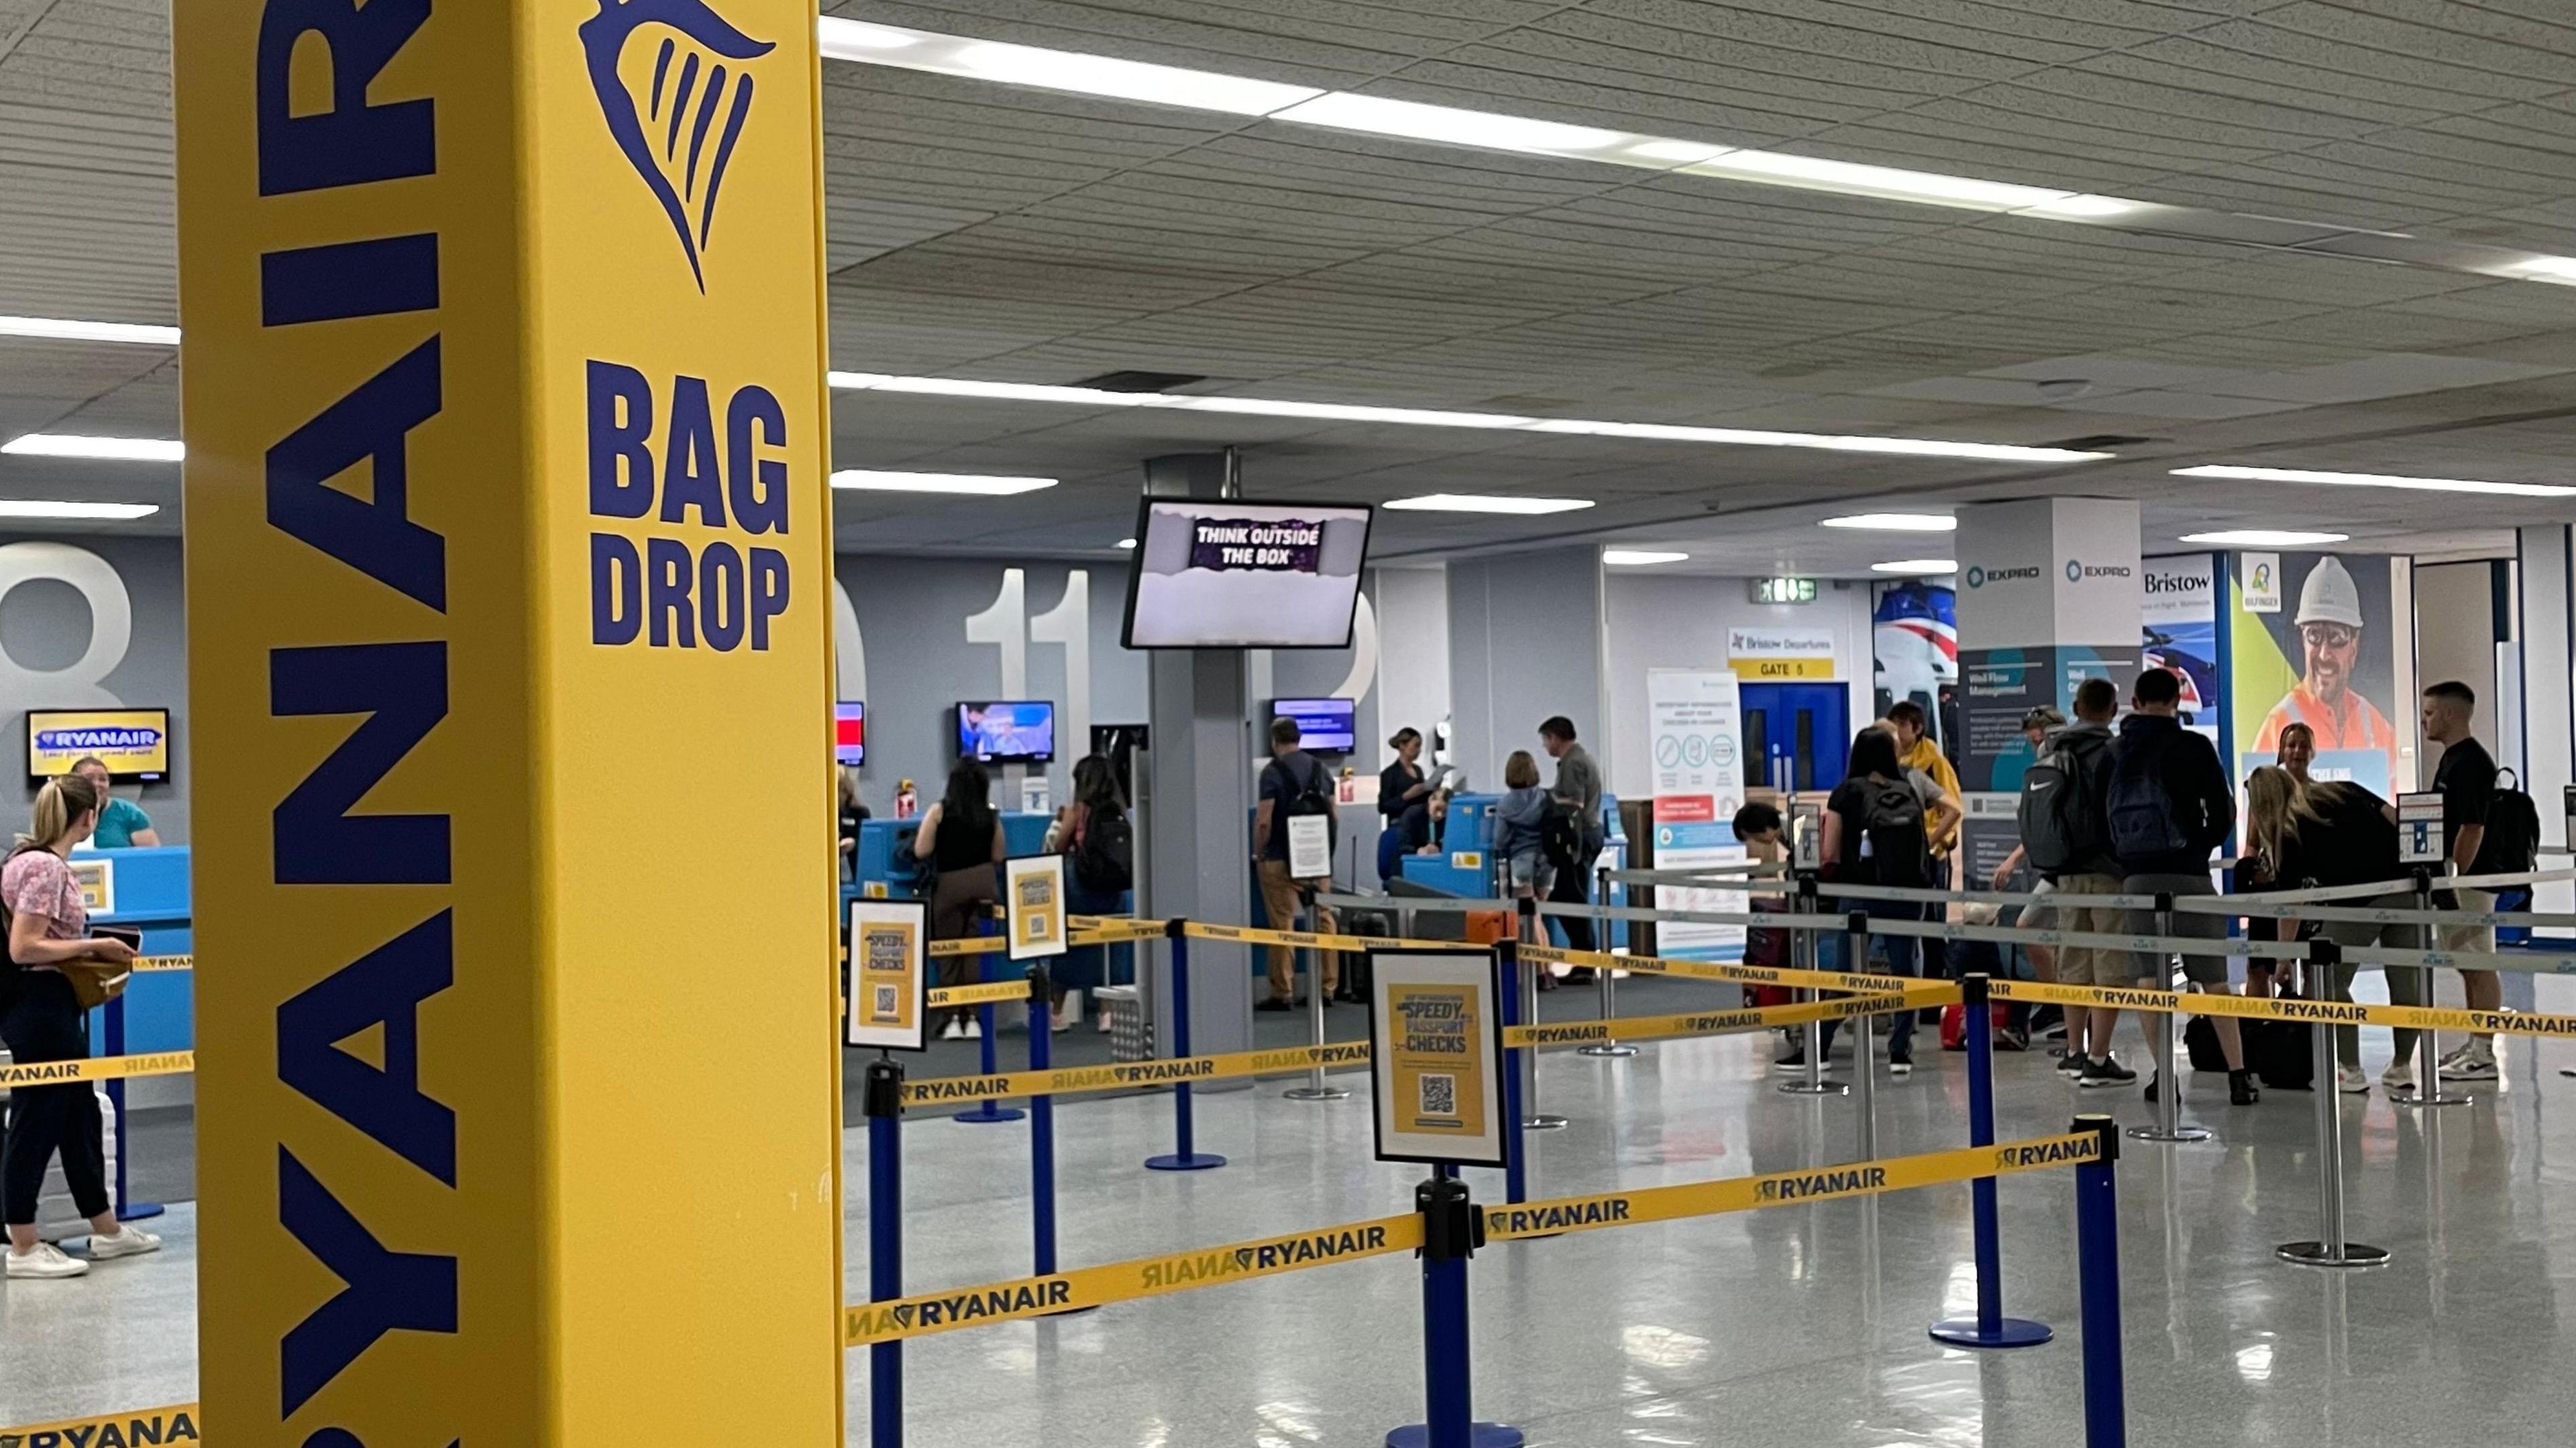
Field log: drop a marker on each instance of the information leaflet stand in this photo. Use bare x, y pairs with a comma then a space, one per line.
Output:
1436, 1068
886, 995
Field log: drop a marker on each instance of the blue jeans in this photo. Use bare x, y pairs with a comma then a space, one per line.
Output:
1904, 953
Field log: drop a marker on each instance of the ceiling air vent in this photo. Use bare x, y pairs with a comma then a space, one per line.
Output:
2099, 442
1132, 381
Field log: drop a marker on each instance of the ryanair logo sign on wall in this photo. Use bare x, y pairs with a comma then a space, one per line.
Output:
676, 104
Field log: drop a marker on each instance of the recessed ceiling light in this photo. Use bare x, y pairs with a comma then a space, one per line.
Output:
1916, 565
1126, 543
975, 484
1638, 557
2263, 538
117, 449
1449, 125
2376, 480
93, 512
856, 39
1896, 522
1486, 503
70, 330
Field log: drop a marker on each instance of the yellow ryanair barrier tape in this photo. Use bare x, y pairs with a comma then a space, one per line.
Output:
97, 1068
144, 963
1122, 1074
930, 1312
964, 945
2275, 1008
1718, 970
1113, 929
1716, 1023
1787, 1188
951, 996
1113, 932
1248, 935
176, 1423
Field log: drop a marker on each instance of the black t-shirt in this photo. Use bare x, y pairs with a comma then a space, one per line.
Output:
2466, 780
1850, 800
2355, 844
965, 839
1284, 778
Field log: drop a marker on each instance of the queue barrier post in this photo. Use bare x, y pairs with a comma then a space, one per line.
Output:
1864, 1040
2428, 1051
127, 1210
1811, 1081
1605, 982
883, 1104
1316, 1087
2097, 1247
2330, 1248
988, 1112
2167, 1086
1184, 1155
1041, 1123
1526, 927
1989, 1328
1516, 1156
1452, 1230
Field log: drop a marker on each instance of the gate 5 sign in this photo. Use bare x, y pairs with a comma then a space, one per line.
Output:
1436, 1054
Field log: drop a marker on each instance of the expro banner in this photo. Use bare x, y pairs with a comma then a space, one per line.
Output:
1695, 727
508, 569
2312, 642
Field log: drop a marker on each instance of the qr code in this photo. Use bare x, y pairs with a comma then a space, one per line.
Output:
887, 1005
1439, 1095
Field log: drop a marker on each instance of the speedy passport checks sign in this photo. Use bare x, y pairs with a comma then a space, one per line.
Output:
1436, 1050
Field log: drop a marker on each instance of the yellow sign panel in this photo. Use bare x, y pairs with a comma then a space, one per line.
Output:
887, 974
1435, 1033
1033, 905
97, 881
1757, 670
132, 743
508, 588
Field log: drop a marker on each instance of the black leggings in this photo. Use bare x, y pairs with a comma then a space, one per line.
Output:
45, 1025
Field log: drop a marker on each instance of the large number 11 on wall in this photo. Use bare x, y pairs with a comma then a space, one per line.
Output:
1006, 625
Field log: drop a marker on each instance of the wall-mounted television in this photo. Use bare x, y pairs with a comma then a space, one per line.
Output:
850, 732
1007, 731
1221, 573
132, 743
1324, 726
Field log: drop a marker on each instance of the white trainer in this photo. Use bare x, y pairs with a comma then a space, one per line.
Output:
46, 1260
2400, 1076
2473, 1066
128, 1241
2351, 1080
974, 1030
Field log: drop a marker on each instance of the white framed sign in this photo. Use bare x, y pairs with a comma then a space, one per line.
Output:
1033, 905
889, 976
1310, 846
1436, 1056
96, 877
2419, 829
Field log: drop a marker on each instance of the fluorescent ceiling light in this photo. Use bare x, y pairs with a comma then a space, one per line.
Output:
71, 330
119, 449
1338, 411
1451, 126
94, 512
1896, 522
1486, 503
2560, 269
858, 40
1829, 442
977, 484
1125, 543
1916, 565
1930, 187
1062, 70
1638, 557
2263, 538
2376, 480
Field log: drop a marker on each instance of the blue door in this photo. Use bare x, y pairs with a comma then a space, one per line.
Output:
1797, 734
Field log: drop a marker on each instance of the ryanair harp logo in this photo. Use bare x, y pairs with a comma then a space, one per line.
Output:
679, 123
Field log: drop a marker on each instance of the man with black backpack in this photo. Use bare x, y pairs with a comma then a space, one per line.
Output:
2066, 836
1294, 786
2170, 806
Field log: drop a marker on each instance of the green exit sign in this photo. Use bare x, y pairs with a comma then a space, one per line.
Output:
1784, 590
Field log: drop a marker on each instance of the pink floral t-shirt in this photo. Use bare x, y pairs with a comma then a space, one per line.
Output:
38, 882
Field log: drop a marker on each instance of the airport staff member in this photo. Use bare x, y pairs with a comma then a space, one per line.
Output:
121, 823
2329, 623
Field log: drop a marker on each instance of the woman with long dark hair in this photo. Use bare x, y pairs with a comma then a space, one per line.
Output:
962, 838
1093, 836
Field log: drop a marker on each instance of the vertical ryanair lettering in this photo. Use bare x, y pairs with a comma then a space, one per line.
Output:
397, 688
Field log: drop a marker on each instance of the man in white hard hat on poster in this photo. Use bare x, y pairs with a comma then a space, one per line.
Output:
2329, 624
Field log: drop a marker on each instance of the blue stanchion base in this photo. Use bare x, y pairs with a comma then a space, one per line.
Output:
1487, 1435
2013, 1332
989, 1113
139, 1211
1174, 1161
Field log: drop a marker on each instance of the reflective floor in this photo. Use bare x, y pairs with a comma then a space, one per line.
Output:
1799, 1325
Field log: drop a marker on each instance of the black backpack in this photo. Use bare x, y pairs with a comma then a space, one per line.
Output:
2060, 815
2143, 821
1104, 861
2513, 827
1895, 848
1315, 796
1560, 836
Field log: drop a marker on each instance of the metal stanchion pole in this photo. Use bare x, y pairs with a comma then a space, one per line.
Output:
1608, 988
2428, 1050
1864, 1034
2168, 1125
2331, 1248
1316, 1087
1185, 1155
1533, 1119
1989, 1328
2097, 1245
1811, 1081
1452, 1229
883, 1104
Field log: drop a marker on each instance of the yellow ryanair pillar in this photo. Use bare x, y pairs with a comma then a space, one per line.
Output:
508, 565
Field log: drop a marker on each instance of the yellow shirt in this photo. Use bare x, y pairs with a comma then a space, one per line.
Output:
1927, 756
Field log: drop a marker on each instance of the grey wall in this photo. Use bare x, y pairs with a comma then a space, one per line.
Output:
2456, 633
1524, 643
46, 627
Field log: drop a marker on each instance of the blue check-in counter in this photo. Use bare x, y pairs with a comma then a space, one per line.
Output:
882, 842
147, 890
1466, 867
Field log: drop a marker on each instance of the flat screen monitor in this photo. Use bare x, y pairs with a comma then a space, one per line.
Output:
1007, 731
132, 743
850, 731
1324, 726
1221, 573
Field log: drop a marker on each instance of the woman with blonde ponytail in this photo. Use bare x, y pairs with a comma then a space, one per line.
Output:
40, 1020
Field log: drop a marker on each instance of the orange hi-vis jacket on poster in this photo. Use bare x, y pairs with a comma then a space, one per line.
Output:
2358, 725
